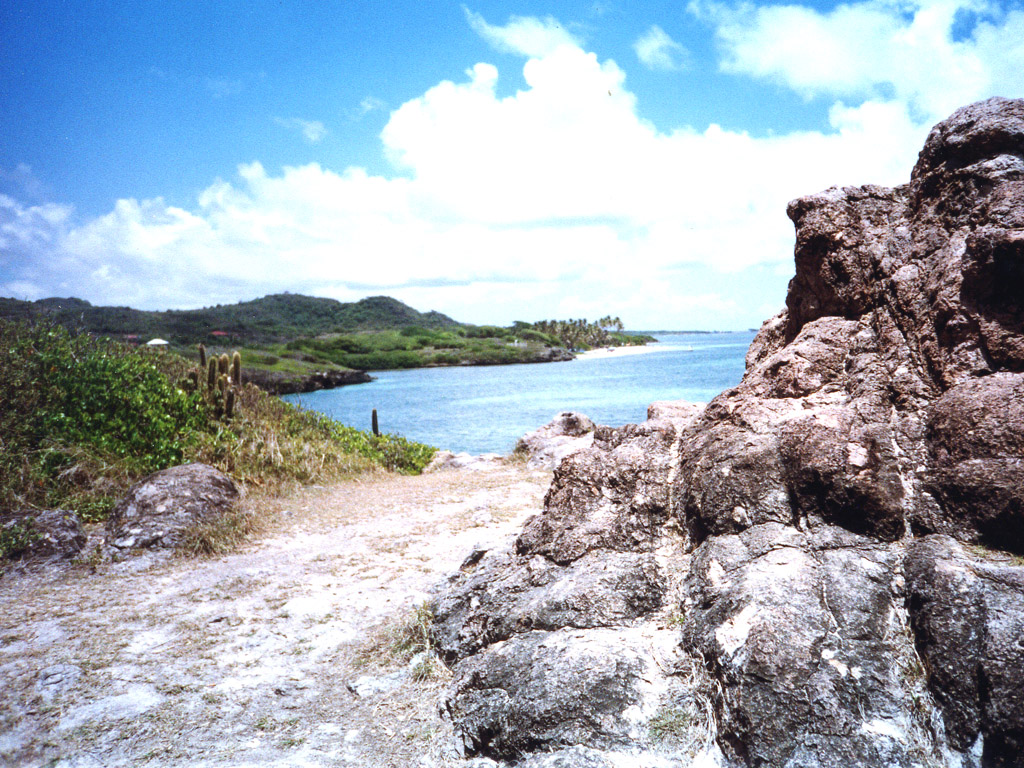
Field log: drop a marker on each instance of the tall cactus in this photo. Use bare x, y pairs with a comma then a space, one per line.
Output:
236, 369
211, 374
202, 356
224, 363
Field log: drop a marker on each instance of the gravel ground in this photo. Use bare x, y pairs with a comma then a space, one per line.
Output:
275, 656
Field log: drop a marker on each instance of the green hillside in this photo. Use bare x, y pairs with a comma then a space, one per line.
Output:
275, 318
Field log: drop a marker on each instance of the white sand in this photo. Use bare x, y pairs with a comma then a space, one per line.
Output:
602, 352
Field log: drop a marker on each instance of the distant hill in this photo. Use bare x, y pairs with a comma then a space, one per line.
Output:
278, 317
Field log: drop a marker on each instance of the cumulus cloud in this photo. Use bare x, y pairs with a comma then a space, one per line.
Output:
312, 131
656, 50
524, 35
865, 50
559, 199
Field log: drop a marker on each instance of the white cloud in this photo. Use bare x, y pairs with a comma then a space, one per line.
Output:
656, 50
368, 105
557, 199
868, 49
312, 131
524, 35
222, 87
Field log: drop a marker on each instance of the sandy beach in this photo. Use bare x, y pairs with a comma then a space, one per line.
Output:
602, 352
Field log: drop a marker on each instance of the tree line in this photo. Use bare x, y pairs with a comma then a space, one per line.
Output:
579, 333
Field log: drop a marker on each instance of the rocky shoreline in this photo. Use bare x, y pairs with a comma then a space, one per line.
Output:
278, 383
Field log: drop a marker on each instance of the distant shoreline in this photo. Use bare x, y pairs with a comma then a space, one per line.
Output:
603, 352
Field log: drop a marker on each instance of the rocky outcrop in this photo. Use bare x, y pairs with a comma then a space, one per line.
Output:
280, 383
833, 546
41, 533
159, 509
545, 447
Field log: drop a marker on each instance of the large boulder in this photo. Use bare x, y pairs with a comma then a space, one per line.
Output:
159, 509
835, 540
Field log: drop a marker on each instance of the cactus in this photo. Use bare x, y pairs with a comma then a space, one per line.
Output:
229, 404
211, 374
224, 363
191, 383
202, 356
236, 369
222, 383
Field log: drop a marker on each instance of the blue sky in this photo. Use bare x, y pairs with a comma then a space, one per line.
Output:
491, 160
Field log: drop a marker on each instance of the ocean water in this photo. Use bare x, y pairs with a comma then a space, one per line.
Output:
485, 409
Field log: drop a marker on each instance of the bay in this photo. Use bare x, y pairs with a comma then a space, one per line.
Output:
485, 409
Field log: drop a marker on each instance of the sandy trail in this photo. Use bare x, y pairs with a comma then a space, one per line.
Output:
267, 657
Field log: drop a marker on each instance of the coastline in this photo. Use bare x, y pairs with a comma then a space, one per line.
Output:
646, 349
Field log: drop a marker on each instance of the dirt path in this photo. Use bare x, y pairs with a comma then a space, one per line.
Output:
276, 656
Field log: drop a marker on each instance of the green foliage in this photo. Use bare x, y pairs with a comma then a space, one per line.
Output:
272, 318
82, 418
17, 537
61, 390
417, 347
583, 334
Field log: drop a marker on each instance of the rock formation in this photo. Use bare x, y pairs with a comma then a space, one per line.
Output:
159, 509
281, 383
822, 567
41, 533
545, 447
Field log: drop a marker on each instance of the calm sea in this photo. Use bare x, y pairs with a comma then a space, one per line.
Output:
486, 409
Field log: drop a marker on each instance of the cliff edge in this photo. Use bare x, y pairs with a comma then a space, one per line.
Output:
823, 566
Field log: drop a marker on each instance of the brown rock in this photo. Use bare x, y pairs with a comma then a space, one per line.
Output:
884, 406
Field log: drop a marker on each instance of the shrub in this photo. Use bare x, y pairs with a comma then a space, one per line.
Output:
83, 418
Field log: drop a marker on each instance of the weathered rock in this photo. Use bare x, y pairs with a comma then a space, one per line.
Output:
160, 508
564, 435
674, 410
613, 496
805, 520
497, 595
545, 690
32, 533
968, 618
805, 631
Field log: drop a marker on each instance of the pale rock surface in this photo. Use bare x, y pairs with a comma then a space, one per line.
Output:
566, 434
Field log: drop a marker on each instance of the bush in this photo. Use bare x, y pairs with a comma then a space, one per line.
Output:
83, 418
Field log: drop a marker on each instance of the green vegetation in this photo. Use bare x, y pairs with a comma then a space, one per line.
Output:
297, 335
16, 537
418, 347
399, 640
82, 418
583, 334
270, 319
